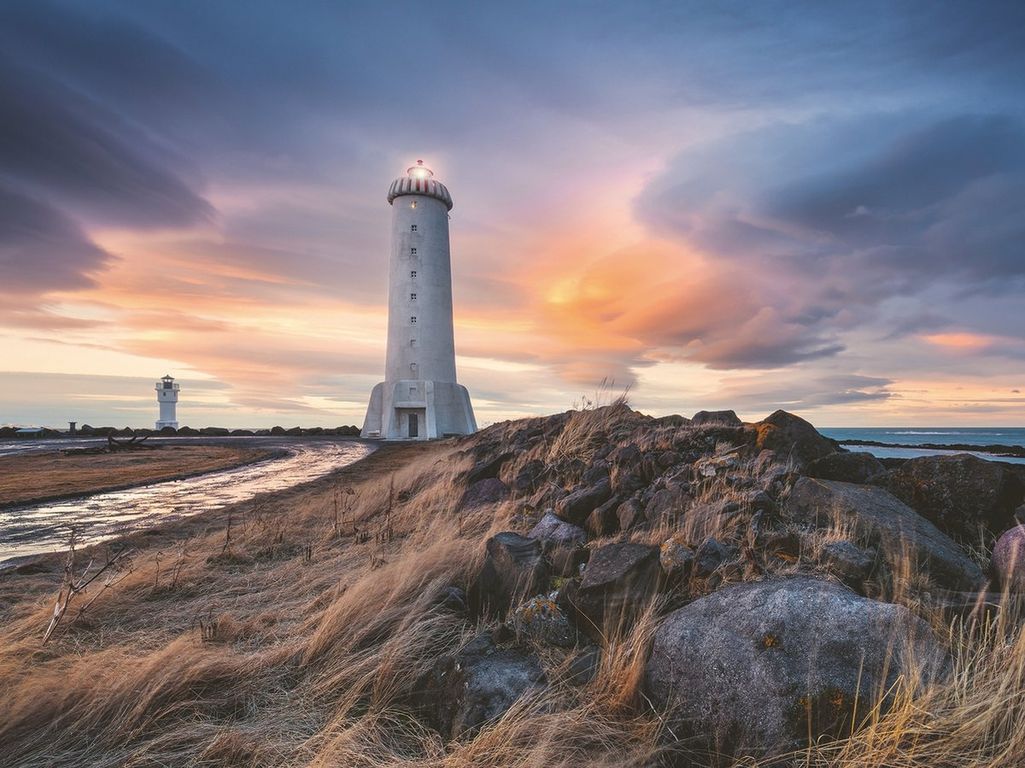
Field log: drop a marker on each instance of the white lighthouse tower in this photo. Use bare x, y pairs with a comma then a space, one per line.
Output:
419, 397
167, 397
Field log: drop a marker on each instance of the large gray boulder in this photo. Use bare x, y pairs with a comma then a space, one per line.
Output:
582, 501
1009, 560
477, 685
728, 418
753, 669
885, 523
964, 496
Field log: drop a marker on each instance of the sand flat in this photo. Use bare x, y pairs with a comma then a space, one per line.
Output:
47, 476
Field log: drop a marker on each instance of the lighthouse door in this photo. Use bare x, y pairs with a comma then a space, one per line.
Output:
414, 425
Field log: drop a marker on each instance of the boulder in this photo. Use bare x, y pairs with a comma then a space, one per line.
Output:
756, 668
514, 567
848, 562
582, 501
792, 438
847, 466
667, 505
630, 513
604, 520
711, 554
528, 479
552, 528
886, 523
477, 685
542, 620
1009, 559
487, 468
675, 557
962, 495
484, 492
618, 581
729, 418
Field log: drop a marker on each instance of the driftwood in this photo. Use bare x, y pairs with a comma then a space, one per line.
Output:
126, 445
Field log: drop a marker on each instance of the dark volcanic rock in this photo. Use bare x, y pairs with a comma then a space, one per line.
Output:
488, 468
752, 668
849, 467
888, 524
729, 418
542, 620
710, 555
849, 563
667, 505
513, 568
528, 479
582, 501
490, 491
604, 520
552, 528
630, 513
1009, 559
962, 495
792, 438
477, 685
618, 581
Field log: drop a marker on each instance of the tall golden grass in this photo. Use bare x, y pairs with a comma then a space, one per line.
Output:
311, 661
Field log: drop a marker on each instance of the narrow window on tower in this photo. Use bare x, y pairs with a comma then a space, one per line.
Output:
413, 204
412, 297
412, 274
412, 342
412, 251
412, 320
412, 227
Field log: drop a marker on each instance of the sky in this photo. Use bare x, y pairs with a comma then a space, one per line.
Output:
811, 206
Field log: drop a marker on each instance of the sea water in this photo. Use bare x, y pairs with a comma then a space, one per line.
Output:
934, 435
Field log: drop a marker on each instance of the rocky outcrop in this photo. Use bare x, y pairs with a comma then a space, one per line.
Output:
478, 684
966, 497
848, 467
755, 668
542, 620
884, 522
792, 438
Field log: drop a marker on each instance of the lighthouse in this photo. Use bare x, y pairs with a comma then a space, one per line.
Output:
167, 397
419, 397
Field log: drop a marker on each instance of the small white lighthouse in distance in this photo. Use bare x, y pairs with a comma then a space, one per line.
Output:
419, 397
167, 396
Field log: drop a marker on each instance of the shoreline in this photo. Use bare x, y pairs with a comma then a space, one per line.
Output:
993, 449
265, 455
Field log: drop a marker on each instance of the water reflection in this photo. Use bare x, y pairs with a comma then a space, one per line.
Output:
46, 527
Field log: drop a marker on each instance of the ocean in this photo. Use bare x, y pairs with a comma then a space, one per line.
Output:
935, 435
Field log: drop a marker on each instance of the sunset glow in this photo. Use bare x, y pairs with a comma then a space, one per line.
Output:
667, 205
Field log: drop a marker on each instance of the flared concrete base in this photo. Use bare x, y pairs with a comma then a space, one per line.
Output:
418, 410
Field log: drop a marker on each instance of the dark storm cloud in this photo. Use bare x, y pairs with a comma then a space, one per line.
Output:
838, 217
75, 151
41, 249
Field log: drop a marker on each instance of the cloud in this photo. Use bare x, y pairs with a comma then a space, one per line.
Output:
77, 152
42, 250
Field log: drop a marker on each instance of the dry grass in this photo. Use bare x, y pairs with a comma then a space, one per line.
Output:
317, 622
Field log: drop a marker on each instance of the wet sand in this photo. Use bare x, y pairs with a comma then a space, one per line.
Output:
40, 477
